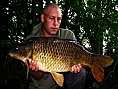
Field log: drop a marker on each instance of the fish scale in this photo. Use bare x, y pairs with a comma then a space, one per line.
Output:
59, 55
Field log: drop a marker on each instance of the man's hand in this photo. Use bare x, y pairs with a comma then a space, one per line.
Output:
76, 68
34, 71
34, 66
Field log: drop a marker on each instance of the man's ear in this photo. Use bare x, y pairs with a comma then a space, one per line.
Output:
42, 17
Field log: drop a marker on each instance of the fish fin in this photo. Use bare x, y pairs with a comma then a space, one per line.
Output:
58, 78
27, 65
98, 72
104, 60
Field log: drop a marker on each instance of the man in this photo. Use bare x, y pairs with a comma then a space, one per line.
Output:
51, 20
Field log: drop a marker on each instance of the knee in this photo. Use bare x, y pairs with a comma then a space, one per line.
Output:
82, 74
75, 78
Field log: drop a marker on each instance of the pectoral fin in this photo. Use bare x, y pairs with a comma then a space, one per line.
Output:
98, 72
58, 78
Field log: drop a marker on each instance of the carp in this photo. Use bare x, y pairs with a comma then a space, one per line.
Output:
57, 55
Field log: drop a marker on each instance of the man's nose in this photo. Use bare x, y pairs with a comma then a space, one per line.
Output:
56, 22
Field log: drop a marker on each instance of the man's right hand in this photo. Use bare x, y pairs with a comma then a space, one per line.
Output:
34, 71
34, 66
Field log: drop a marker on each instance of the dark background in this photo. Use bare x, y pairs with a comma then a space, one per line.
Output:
94, 22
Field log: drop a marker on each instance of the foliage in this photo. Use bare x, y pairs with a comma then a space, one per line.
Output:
94, 23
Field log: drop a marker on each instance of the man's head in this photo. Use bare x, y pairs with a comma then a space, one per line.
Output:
51, 18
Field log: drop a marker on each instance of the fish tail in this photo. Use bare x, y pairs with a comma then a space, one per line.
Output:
104, 60
97, 67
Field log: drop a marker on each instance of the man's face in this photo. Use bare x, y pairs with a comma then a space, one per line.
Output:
51, 21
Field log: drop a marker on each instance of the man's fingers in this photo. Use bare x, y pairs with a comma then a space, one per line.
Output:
79, 67
34, 66
76, 68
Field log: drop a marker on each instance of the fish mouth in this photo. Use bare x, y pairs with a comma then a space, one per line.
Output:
10, 54
18, 57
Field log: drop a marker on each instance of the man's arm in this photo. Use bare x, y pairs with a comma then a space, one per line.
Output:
36, 74
34, 71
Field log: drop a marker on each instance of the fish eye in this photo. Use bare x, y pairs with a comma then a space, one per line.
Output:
17, 48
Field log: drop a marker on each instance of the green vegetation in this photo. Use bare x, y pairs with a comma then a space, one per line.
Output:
94, 22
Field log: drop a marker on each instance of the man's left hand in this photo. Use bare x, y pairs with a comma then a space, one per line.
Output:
76, 68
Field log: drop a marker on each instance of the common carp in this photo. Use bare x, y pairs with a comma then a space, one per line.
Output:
57, 55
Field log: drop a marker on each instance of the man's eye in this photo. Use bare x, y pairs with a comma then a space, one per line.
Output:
52, 18
58, 19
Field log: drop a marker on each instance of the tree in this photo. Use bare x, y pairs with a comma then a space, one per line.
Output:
94, 23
